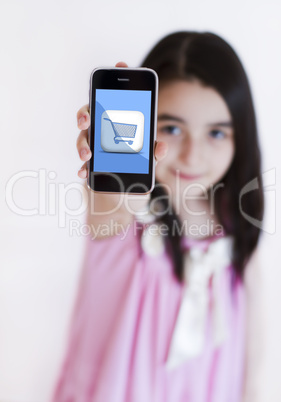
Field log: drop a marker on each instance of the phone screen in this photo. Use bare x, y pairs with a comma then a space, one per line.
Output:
122, 133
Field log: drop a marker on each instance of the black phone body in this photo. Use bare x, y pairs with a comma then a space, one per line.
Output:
122, 132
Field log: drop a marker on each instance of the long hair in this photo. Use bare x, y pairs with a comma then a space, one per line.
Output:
207, 57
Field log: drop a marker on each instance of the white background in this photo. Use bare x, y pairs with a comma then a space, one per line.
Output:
48, 50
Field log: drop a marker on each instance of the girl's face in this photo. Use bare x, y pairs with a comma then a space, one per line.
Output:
195, 122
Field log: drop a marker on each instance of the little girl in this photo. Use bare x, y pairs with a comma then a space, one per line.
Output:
160, 312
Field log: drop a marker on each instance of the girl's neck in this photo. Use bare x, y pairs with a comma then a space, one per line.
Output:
199, 221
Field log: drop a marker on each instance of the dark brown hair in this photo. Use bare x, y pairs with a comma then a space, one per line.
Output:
207, 57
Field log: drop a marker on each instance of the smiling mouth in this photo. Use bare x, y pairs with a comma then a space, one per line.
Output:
185, 176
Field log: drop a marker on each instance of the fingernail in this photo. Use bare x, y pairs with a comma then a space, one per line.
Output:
84, 152
83, 171
81, 120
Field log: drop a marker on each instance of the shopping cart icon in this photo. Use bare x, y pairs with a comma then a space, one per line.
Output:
122, 131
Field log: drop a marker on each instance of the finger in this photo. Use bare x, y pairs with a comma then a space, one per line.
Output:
160, 150
83, 172
83, 146
83, 118
121, 64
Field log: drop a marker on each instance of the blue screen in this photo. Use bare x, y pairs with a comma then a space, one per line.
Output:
122, 131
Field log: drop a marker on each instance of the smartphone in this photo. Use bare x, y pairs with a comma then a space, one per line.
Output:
122, 131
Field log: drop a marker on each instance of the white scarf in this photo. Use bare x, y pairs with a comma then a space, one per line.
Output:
189, 332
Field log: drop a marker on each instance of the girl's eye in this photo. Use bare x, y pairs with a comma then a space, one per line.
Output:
172, 130
217, 134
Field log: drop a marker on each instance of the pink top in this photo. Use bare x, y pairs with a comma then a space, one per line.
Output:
122, 326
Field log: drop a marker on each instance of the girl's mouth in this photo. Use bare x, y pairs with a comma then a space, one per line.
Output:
185, 176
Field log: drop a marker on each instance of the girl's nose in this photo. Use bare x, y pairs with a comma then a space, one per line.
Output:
191, 151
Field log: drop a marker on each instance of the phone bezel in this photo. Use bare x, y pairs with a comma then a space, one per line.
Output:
119, 78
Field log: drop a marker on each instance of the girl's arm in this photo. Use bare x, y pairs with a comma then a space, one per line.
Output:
255, 330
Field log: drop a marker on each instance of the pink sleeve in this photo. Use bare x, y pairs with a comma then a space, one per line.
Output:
107, 272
